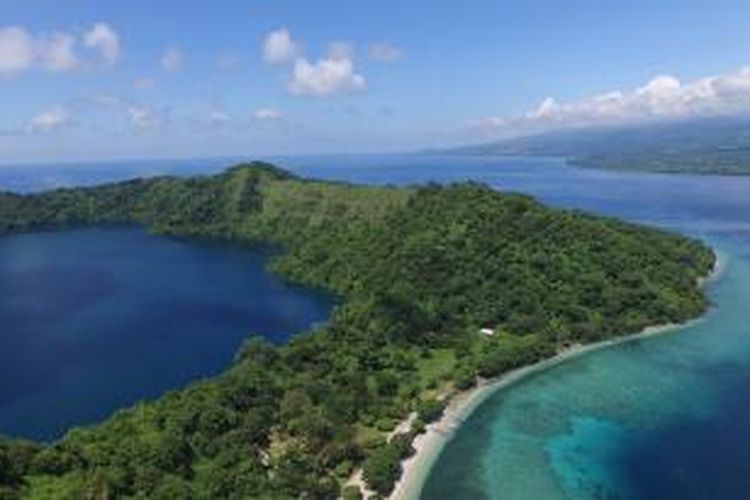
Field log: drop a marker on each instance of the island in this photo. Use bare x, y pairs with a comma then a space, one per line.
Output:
439, 288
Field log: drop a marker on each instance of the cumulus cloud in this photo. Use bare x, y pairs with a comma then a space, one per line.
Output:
267, 114
21, 51
49, 120
105, 40
57, 53
384, 52
16, 50
279, 47
661, 98
734, 87
325, 77
172, 60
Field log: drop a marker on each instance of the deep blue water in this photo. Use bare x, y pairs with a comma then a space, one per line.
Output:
664, 417
94, 319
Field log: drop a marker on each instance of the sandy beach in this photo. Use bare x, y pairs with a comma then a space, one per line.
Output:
429, 445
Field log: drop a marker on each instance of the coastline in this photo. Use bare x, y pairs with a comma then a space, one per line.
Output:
430, 444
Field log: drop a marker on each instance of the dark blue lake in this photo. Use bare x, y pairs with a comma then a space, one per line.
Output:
94, 319
662, 418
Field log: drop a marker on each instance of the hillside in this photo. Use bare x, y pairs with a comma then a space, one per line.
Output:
418, 271
706, 146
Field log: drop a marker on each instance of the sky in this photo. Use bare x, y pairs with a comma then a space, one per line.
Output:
93, 80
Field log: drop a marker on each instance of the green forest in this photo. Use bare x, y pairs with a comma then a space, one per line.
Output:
418, 272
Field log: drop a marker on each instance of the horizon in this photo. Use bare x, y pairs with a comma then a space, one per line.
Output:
100, 83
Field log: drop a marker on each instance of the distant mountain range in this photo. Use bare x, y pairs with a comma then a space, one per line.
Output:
705, 146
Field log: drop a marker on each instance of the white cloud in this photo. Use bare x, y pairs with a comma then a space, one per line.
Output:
143, 117
17, 52
144, 83
267, 114
279, 47
547, 108
384, 52
661, 98
172, 60
49, 120
57, 53
733, 87
102, 38
22, 51
659, 87
325, 77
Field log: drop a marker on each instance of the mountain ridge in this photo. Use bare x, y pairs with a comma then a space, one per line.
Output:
718, 145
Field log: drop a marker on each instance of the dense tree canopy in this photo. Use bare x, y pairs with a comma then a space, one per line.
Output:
419, 271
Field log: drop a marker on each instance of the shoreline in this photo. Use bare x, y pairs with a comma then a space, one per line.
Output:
430, 444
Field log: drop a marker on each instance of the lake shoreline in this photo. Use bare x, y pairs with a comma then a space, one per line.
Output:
430, 444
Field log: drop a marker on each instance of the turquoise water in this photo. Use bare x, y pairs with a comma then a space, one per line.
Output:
584, 429
662, 417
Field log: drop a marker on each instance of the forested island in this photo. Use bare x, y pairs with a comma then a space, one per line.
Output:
718, 146
418, 271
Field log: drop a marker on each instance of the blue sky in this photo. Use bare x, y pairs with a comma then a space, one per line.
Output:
84, 79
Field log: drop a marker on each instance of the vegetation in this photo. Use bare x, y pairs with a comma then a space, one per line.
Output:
419, 271
382, 468
430, 410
